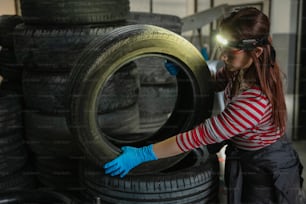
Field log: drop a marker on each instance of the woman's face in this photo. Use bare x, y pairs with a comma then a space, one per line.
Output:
235, 59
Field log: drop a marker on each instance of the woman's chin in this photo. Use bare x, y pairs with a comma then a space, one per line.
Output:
230, 68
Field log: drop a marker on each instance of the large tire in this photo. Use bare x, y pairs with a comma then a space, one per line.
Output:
105, 56
74, 11
197, 184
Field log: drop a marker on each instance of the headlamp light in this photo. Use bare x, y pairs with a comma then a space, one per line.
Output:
220, 39
246, 44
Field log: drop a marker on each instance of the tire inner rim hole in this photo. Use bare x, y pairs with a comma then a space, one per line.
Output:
137, 100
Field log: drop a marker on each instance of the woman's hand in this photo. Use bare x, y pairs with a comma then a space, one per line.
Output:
172, 68
130, 158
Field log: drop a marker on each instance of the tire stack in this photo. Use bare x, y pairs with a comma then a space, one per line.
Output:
54, 33
193, 184
15, 168
192, 177
81, 84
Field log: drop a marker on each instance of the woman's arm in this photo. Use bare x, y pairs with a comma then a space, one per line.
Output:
167, 148
243, 113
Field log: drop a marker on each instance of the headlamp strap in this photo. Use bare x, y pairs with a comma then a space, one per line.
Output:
250, 44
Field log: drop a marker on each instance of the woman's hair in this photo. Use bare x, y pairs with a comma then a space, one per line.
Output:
250, 23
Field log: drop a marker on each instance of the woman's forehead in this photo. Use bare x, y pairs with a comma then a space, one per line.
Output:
227, 35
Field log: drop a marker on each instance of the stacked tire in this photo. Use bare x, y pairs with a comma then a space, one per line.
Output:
15, 167
47, 44
193, 184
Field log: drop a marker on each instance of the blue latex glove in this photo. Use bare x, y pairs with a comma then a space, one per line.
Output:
204, 53
130, 158
172, 68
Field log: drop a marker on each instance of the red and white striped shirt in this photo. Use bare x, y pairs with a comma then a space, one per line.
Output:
246, 121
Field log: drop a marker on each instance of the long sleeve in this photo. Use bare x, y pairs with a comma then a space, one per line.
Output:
247, 116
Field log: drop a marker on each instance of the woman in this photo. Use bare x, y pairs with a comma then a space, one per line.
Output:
261, 166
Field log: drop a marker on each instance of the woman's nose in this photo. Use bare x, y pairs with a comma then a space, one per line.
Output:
223, 56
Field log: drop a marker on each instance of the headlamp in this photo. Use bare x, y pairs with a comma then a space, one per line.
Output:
220, 39
246, 44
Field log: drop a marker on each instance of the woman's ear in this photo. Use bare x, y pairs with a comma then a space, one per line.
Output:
258, 51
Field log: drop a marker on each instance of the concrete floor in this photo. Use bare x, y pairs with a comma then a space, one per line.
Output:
300, 147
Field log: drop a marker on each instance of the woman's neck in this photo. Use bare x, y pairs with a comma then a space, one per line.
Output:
243, 80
